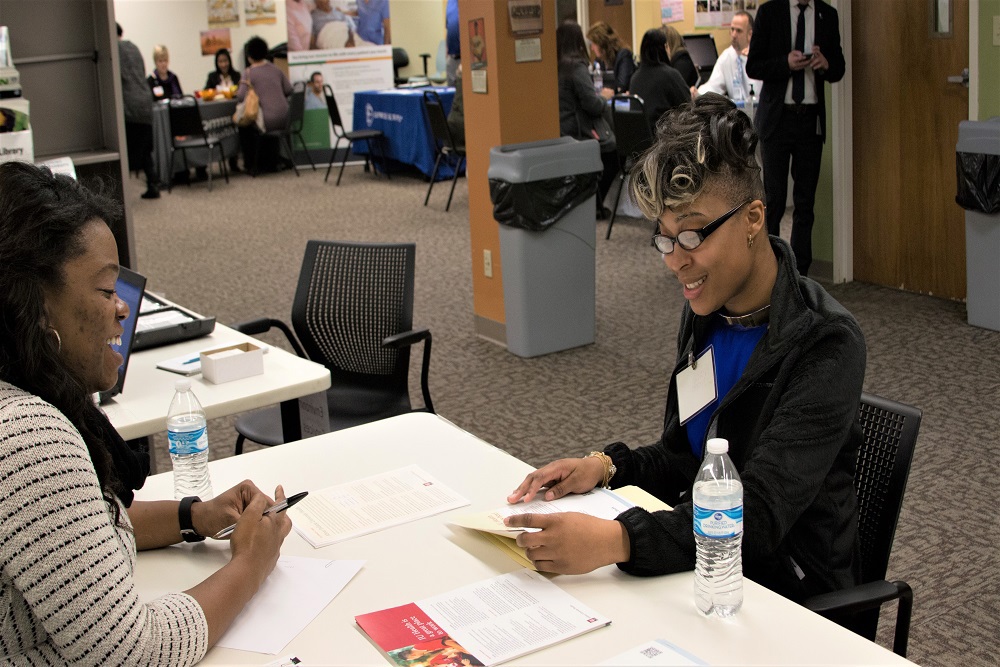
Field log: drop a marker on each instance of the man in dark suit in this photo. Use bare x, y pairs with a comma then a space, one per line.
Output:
795, 49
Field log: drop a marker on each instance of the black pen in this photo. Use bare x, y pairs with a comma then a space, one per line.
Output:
277, 507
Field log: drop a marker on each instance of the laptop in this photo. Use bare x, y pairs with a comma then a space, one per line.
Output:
130, 288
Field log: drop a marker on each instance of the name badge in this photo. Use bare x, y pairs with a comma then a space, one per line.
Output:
158, 91
696, 388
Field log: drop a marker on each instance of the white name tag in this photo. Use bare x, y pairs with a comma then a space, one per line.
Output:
158, 91
696, 388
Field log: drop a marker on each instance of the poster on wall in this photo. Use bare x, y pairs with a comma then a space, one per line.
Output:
671, 11
260, 12
342, 44
213, 40
223, 14
477, 43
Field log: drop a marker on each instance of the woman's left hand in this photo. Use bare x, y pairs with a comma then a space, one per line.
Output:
211, 516
570, 542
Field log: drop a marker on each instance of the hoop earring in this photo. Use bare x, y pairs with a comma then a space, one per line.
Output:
58, 339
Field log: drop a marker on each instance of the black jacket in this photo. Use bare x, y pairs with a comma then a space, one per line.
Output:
661, 88
214, 78
790, 422
767, 60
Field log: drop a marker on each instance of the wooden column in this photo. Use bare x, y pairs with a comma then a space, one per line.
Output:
521, 104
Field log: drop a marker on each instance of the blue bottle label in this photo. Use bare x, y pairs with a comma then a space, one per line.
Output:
718, 523
184, 443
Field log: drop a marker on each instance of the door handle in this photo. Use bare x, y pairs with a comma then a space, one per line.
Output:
962, 79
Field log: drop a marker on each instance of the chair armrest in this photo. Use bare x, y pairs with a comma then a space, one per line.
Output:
869, 596
262, 325
407, 339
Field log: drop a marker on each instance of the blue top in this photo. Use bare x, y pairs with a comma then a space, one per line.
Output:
733, 346
371, 13
453, 42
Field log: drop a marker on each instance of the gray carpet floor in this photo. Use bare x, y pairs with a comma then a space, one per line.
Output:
236, 252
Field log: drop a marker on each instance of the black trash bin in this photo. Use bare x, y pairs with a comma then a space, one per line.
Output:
978, 166
544, 197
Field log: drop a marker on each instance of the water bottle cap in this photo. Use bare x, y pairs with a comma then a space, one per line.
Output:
183, 384
718, 446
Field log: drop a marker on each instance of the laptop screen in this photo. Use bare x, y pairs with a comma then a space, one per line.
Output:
702, 50
130, 288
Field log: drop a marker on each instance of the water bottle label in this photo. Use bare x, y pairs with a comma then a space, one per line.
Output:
718, 523
184, 443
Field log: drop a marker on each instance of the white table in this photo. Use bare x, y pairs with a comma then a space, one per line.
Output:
141, 409
427, 557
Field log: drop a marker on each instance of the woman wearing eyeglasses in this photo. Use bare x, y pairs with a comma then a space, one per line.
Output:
789, 363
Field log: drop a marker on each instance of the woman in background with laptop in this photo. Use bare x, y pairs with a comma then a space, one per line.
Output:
69, 539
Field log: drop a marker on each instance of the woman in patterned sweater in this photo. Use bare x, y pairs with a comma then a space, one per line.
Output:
67, 541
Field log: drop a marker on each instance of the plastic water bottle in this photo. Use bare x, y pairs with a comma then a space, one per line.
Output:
187, 435
751, 107
718, 533
598, 77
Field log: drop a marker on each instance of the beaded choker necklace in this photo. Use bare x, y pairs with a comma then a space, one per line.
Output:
750, 320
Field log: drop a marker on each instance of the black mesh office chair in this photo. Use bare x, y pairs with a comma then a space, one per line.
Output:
187, 132
296, 118
884, 459
353, 313
633, 135
374, 138
444, 143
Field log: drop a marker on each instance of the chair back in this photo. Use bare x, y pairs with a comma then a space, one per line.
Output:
296, 110
438, 120
400, 59
350, 297
890, 433
185, 117
331, 107
633, 135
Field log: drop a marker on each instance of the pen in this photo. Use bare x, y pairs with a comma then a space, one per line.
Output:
277, 507
190, 361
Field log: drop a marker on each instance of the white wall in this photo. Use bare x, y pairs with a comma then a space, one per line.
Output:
178, 25
417, 26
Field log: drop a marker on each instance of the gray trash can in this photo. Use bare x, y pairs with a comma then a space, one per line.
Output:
978, 166
548, 232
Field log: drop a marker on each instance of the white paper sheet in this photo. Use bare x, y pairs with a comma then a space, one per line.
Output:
656, 653
364, 506
296, 591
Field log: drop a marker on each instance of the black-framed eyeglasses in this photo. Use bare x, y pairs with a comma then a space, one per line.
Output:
690, 239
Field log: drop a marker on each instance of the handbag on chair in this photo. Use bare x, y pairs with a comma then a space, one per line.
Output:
248, 111
597, 128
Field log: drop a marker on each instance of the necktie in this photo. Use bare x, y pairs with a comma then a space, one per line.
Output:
739, 70
799, 77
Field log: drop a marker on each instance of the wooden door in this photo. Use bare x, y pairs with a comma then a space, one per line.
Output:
616, 14
908, 230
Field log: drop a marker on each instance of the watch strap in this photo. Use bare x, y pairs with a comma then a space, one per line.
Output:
188, 533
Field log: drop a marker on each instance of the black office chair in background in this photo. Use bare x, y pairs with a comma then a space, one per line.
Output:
444, 143
188, 132
633, 135
283, 135
400, 59
374, 138
353, 313
296, 118
884, 459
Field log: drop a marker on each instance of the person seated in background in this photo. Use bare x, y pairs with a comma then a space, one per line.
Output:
224, 75
580, 106
660, 86
614, 57
456, 115
729, 76
783, 388
69, 539
315, 96
162, 81
341, 30
272, 88
680, 59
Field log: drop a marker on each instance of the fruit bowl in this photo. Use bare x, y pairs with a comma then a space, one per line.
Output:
208, 94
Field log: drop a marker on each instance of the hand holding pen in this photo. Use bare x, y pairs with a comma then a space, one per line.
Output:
277, 507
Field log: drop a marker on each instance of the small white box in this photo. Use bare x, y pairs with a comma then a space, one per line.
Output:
234, 362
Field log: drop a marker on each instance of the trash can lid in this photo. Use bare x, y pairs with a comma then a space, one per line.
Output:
979, 136
539, 160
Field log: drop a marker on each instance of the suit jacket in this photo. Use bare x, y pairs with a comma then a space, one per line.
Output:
768, 60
